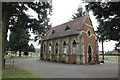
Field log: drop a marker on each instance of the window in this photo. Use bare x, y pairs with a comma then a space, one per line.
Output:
56, 48
64, 48
67, 28
89, 33
50, 49
74, 47
53, 32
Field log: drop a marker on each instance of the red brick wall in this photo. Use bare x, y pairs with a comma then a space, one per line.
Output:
88, 40
87, 25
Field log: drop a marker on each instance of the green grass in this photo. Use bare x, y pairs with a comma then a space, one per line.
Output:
111, 58
14, 72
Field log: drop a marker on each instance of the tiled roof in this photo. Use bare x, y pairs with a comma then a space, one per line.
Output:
59, 31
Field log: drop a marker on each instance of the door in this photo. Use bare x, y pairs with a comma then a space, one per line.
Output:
89, 53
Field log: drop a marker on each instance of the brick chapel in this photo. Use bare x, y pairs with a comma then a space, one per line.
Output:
72, 42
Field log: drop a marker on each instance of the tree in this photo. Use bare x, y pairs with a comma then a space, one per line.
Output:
100, 35
26, 53
31, 48
79, 13
14, 13
109, 13
19, 37
108, 16
19, 40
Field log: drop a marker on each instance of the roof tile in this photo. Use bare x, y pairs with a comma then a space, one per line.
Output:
59, 31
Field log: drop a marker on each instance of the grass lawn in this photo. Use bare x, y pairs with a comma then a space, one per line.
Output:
14, 72
111, 58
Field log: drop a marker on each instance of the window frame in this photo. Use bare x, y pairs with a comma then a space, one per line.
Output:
89, 33
57, 48
50, 49
65, 47
74, 47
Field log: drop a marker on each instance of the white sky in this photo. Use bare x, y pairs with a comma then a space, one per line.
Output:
63, 11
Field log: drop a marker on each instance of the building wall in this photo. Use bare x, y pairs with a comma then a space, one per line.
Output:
82, 40
89, 40
60, 41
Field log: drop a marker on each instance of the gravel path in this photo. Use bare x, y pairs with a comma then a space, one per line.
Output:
46, 69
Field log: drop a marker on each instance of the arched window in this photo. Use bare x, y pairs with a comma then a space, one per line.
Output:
56, 48
50, 49
74, 47
64, 48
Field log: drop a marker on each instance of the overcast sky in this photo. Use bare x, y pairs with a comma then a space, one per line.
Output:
63, 11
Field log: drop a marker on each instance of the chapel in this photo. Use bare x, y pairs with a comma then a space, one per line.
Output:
73, 42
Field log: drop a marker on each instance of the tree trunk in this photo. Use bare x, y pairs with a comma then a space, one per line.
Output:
19, 53
103, 51
5, 24
1, 49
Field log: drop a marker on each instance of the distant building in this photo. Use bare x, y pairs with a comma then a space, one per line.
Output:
114, 52
111, 52
71, 42
106, 52
37, 50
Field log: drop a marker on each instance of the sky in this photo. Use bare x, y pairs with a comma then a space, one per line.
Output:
63, 11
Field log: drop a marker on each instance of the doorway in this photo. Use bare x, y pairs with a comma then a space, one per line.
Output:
89, 53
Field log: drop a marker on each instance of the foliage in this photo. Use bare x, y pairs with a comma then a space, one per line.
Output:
31, 48
79, 13
15, 18
109, 14
7, 46
101, 32
19, 40
26, 53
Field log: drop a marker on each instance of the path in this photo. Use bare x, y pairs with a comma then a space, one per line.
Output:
46, 69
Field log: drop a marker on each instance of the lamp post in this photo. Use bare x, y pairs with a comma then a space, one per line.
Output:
102, 52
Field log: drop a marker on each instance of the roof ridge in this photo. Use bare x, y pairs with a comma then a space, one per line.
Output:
60, 32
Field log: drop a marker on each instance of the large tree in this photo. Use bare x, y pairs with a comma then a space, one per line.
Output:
19, 37
15, 19
109, 14
101, 35
12, 12
19, 40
